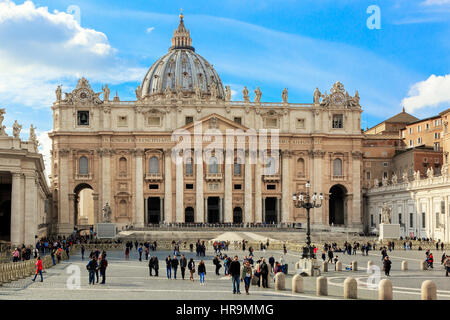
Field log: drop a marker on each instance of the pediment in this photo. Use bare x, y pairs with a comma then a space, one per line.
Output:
215, 122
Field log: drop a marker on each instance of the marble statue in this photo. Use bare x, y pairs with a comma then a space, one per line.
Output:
33, 139
106, 93
384, 181
58, 93
107, 213
138, 92
376, 183
213, 91
405, 177
325, 100
317, 96
245, 94
16, 129
2, 127
430, 172
356, 98
168, 93
386, 214
284, 95
394, 179
417, 175
198, 92
227, 93
258, 95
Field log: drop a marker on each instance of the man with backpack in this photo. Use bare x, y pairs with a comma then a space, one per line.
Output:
92, 267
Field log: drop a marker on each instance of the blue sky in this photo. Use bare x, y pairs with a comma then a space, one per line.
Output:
300, 45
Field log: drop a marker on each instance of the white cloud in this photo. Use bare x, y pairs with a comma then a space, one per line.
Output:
41, 49
433, 92
435, 2
150, 29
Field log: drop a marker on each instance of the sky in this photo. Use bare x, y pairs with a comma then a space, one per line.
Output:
396, 55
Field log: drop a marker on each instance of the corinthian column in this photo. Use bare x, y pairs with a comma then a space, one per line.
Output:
248, 205
285, 187
168, 186
139, 214
199, 210
228, 211
106, 176
30, 209
258, 195
17, 218
179, 190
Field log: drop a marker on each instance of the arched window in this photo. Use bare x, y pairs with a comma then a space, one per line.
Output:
300, 167
189, 169
213, 167
83, 167
154, 165
337, 167
123, 166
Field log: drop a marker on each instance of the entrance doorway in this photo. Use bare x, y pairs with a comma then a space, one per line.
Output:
189, 215
213, 210
154, 209
337, 206
237, 215
271, 215
83, 205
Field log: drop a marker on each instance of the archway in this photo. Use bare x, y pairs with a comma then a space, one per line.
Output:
337, 207
189, 215
84, 205
237, 215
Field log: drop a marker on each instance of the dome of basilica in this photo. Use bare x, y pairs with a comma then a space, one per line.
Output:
182, 71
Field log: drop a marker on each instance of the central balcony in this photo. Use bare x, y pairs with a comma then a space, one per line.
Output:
154, 176
214, 177
271, 177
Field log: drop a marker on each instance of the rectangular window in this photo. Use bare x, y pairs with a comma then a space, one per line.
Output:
368, 175
410, 130
189, 186
427, 126
403, 133
436, 146
385, 164
400, 218
385, 175
122, 121
189, 120
153, 187
410, 143
437, 135
338, 121
372, 223
271, 187
423, 219
300, 123
419, 140
154, 121
411, 220
83, 118
418, 128
238, 120
237, 187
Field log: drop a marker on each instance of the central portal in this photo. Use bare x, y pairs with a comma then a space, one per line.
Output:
154, 210
213, 210
271, 210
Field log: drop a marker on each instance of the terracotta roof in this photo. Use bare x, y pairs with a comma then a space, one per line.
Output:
402, 117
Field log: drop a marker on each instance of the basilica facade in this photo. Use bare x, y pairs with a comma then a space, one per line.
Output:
184, 152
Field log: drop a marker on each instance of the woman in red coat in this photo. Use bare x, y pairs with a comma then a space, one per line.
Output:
38, 269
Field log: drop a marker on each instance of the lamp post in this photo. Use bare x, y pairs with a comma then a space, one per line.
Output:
305, 200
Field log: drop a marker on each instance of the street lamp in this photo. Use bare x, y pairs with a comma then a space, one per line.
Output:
305, 200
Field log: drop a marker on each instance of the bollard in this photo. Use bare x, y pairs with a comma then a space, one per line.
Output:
423, 265
325, 266
322, 286
338, 266
429, 290
350, 288
404, 265
385, 290
297, 284
354, 266
280, 280
369, 264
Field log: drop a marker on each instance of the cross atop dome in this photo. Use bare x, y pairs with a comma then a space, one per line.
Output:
181, 37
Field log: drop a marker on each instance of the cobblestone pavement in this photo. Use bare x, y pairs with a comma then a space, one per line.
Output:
130, 280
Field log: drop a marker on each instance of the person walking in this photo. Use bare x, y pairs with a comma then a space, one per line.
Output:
447, 265
16, 256
103, 266
216, 262
201, 272
83, 249
330, 256
387, 265
183, 264
127, 253
38, 269
235, 271
264, 268
191, 267
52, 254
150, 266
169, 267
140, 253
271, 262
175, 264
246, 275
92, 267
